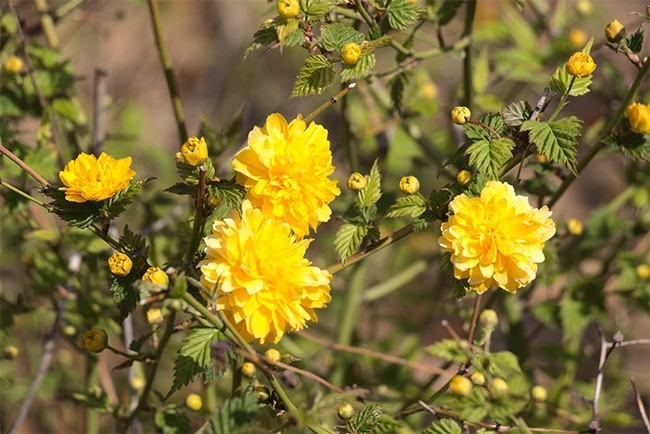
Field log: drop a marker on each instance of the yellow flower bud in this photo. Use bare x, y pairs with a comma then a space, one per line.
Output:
538, 393
345, 412
248, 370
499, 386
489, 318
577, 38
95, 340
638, 115
574, 226
194, 151
356, 181
137, 383
460, 386
194, 402
69, 330
541, 159
154, 316
10, 352
429, 90
643, 271
464, 177
288, 8
262, 392
120, 264
14, 65
156, 276
580, 65
273, 355
409, 184
584, 7
614, 31
477, 378
460, 115
350, 53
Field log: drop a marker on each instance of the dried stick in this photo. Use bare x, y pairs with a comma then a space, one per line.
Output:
639, 403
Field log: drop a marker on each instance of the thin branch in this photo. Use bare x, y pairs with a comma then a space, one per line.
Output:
472, 325
310, 117
639, 403
24, 166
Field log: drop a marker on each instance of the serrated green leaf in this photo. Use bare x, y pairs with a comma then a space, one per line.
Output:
371, 193
194, 357
503, 364
635, 41
515, 113
365, 420
235, 415
314, 77
557, 140
479, 132
473, 407
402, 14
443, 426
181, 188
316, 8
288, 33
348, 239
488, 156
407, 206
335, 36
359, 69
561, 79
134, 245
387, 425
263, 37
172, 420
397, 85
116, 205
449, 350
125, 296
504, 407
79, 215
230, 193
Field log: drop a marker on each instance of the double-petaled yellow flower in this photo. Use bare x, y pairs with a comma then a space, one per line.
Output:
156, 276
496, 239
638, 115
580, 65
286, 169
266, 286
120, 264
88, 178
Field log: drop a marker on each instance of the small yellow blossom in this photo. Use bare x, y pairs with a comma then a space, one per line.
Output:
580, 65
541, 159
95, 179
477, 378
345, 412
638, 115
285, 168
155, 316
350, 53
643, 271
120, 264
10, 352
460, 386
584, 7
95, 340
262, 392
137, 383
248, 370
499, 386
574, 226
273, 355
460, 115
409, 184
194, 402
614, 31
288, 8
266, 285
489, 318
496, 239
429, 90
538, 393
464, 177
156, 276
194, 152
356, 182
577, 38
69, 330
13, 65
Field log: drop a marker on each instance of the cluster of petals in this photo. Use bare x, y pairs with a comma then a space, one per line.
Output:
496, 239
88, 178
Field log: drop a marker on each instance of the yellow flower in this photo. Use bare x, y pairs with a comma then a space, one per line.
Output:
538, 393
137, 383
429, 90
285, 168
194, 402
574, 226
460, 115
350, 53
14, 65
356, 182
584, 7
345, 412
499, 387
156, 276
614, 31
194, 151
580, 65
95, 340
266, 286
120, 264
643, 271
155, 316
496, 238
89, 178
577, 38
638, 115
464, 177
409, 184
288, 8
460, 386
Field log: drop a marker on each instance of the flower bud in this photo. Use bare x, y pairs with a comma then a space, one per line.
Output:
194, 151
489, 318
95, 340
409, 184
638, 115
584, 7
574, 226
10, 352
248, 370
350, 53
156, 276
429, 90
69, 330
154, 316
194, 402
273, 355
464, 177
460, 115
262, 392
577, 38
137, 383
541, 159
345, 412
643, 271
356, 182
477, 378
460, 386
120, 264
288, 8
14, 65
614, 31
499, 387
580, 65
538, 393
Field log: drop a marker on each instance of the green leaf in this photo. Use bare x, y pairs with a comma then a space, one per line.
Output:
359, 69
67, 109
316, 8
488, 156
473, 407
116, 205
635, 146
134, 245
125, 296
516, 113
314, 77
364, 421
557, 141
289, 34
194, 357
635, 41
448, 350
263, 37
397, 85
172, 420
387, 425
230, 193
443, 426
372, 191
335, 36
560, 82
447, 11
503, 364
238, 414
504, 407
402, 14
181, 188
408, 206
479, 132
348, 239
80, 215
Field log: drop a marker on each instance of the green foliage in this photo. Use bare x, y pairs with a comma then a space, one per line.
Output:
360, 69
448, 350
443, 426
314, 77
334, 36
125, 296
408, 206
557, 140
561, 79
635, 41
227, 192
77, 215
236, 415
194, 357
487, 156
402, 14
516, 113
171, 420
365, 420
371, 193
316, 8
262, 38
348, 240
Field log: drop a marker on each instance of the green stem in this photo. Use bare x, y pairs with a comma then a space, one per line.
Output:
374, 28
395, 282
23, 194
199, 221
165, 59
350, 146
67, 8
310, 117
104, 236
565, 95
468, 84
24, 166
92, 417
48, 24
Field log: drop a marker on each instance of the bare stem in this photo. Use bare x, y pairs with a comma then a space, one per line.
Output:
23, 194
24, 166
199, 220
639, 403
310, 117
468, 73
472, 325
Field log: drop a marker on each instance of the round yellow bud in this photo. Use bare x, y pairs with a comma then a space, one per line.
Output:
95, 340
248, 370
499, 386
477, 378
638, 115
156, 276
350, 53
460, 115
262, 392
538, 393
194, 402
345, 412
120, 264
154, 316
409, 184
643, 271
577, 38
580, 65
460, 386
614, 31
69, 330
356, 182
10, 352
541, 159
194, 152
14, 65
464, 177
288, 8
489, 318
584, 7
429, 90
273, 355
574, 226
137, 383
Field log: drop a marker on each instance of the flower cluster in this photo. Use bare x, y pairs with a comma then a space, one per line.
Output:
88, 178
496, 239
